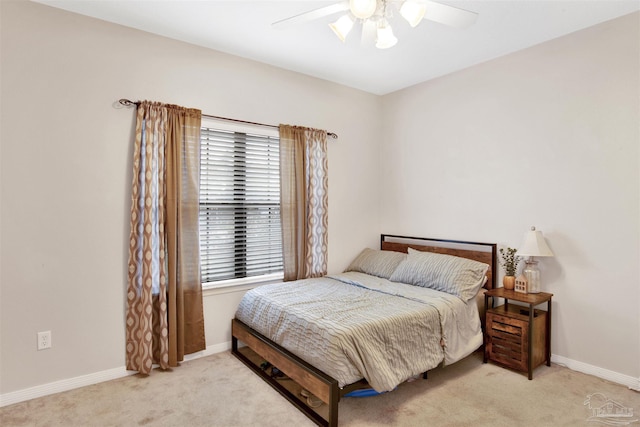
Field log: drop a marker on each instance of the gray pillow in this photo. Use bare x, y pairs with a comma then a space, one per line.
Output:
454, 275
376, 262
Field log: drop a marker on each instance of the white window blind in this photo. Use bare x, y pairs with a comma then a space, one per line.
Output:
240, 232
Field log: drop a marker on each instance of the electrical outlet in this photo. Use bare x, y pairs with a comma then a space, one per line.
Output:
44, 340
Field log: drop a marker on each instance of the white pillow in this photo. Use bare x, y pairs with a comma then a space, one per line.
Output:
457, 276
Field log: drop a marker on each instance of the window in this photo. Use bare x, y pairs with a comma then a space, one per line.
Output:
240, 232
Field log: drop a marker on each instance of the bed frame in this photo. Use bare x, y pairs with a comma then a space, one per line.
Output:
312, 379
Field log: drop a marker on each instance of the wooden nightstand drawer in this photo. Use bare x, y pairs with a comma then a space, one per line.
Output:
508, 336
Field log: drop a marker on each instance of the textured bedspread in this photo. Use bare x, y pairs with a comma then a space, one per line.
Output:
353, 326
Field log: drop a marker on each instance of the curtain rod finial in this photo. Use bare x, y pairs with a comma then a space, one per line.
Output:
127, 103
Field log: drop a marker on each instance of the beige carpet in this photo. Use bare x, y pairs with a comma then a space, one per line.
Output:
220, 391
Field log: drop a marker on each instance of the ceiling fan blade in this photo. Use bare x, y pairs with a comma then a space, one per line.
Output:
368, 36
449, 15
312, 15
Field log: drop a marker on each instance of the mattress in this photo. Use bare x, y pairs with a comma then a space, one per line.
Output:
354, 326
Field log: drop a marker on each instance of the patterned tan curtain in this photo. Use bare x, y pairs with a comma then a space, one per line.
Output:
303, 201
164, 297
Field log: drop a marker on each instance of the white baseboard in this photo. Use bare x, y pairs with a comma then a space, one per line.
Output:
62, 385
605, 374
112, 374
90, 379
211, 349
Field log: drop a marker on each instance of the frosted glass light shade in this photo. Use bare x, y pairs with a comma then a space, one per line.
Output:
385, 39
413, 12
363, 9
342, 27
534, 244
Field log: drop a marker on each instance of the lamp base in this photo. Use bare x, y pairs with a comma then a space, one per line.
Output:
532, 274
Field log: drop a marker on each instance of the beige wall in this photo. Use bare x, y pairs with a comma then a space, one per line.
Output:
66, 173
548, 136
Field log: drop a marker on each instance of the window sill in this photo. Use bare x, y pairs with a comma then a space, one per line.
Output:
238, 286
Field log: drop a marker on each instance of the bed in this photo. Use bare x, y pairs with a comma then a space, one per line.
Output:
394, 313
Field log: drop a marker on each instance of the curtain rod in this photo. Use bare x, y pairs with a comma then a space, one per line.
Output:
128, 103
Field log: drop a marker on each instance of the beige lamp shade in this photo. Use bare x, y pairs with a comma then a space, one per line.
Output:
363, 9
385, 38
413, 12
342, 27
534, 244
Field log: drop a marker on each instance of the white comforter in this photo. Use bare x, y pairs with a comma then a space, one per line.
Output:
353, 326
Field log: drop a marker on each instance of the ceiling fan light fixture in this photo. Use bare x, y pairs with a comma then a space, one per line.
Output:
385, 38
363, 9
413, 12
342, 27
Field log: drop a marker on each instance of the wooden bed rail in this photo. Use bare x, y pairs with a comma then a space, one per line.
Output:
308, 377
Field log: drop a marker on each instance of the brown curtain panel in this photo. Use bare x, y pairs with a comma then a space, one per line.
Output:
164, 297
303, 201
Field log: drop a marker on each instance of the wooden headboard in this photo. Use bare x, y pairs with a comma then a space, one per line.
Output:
482, 252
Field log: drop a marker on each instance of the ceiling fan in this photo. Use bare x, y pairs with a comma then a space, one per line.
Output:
376, 14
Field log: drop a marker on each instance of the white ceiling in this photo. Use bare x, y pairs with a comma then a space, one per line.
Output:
427, 51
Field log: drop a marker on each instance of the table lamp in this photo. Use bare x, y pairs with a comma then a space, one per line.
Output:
534, 245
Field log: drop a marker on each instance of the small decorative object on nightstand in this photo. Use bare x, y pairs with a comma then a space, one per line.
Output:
510, 263
521, 284
518, 336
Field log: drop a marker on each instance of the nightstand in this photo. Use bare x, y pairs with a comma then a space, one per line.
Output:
518, 336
